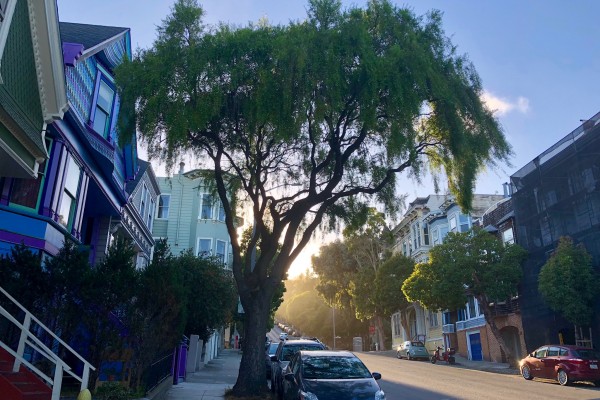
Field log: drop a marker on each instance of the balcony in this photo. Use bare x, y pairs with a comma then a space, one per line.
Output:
448, 328
470, 323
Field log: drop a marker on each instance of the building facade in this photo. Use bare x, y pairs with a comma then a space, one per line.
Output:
557, 194
80, 193
190, 216
425, 224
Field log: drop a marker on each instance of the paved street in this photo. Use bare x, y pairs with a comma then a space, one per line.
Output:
421, 380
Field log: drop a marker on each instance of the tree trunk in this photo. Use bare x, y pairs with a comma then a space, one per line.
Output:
251, 377
489, 318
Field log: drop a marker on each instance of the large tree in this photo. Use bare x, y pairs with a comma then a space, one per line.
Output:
474, 264
313, 119
569, 283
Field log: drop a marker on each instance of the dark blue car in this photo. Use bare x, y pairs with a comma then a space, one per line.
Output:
330, 375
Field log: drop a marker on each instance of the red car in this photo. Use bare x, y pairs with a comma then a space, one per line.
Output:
564, 363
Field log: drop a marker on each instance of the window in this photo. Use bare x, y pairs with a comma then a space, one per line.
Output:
143, 201
443, 233
204, 247
416, 230
540, 353
452, 221
425, 234
150, 213
508, 236
104, 103
396, 324
221, 212
433, 319
164, 200
220, 251
446, 319
435, 236
463, 221
206, 208
69, 197
472, 307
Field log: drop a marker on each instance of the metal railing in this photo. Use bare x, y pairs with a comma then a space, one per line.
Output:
470, 323
31, 341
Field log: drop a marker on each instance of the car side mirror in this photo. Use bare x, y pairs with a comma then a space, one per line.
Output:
376, 375
289, 377
531, 355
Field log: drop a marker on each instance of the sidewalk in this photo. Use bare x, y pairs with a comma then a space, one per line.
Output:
211, 381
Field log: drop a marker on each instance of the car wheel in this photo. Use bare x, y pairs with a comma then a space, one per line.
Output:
562, 377
398, 355
433, 359
408, 357
526, 373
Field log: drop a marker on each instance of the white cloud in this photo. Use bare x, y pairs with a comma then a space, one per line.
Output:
502, 106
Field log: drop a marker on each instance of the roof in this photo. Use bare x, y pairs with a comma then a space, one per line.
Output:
88, 35
143, 166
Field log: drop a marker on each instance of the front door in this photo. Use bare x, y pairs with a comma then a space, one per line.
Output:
475, 346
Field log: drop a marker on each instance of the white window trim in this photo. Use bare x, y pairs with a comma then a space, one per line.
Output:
198, 245
212, 208
158, 206
224, 249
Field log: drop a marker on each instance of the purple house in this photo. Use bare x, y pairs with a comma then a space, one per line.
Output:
81, 190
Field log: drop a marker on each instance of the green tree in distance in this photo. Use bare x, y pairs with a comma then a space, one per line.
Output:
569, 283
313, 119
471, 263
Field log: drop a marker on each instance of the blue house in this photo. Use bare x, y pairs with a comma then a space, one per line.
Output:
81, 191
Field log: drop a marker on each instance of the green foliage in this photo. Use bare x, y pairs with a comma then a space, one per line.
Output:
569, 283
209, 292
310, 118
112, 391
388, 284
22, 277
475, 263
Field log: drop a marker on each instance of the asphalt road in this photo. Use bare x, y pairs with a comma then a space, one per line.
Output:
421, 380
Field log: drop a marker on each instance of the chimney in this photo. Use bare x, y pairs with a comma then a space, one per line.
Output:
181, 166
507, 189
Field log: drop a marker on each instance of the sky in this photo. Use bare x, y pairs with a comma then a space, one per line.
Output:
539, 61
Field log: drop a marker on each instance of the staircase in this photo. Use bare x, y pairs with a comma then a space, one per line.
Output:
22, 385
22, 380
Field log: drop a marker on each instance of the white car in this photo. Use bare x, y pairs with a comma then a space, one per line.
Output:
283, 336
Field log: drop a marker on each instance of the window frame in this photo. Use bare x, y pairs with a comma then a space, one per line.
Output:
103, 78
203, 197
210, 250
42, 181
217, 255
66, 192
159, 207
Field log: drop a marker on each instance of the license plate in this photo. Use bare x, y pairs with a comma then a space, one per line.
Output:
593, 366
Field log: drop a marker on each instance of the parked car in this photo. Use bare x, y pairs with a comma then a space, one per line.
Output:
330, 375
412, 350
283, 336
564, 363
283, 355
270, 351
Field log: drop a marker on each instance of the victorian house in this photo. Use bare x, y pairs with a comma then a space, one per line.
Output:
425, 224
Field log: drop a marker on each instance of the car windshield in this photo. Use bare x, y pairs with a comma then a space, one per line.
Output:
586, 354
332, 367
417, 344
289, 350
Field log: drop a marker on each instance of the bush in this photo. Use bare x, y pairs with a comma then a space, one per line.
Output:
112, 391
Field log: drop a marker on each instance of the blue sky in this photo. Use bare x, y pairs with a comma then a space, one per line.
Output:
539, 60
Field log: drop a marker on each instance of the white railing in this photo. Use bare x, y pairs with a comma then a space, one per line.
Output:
30, 339
448, 328
470, 323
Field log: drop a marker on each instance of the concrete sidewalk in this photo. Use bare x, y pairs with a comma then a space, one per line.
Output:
211, 381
